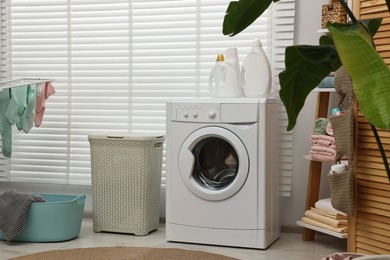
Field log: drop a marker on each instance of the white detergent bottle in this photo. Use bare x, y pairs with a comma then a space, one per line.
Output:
256, 73
232, 57
223, 79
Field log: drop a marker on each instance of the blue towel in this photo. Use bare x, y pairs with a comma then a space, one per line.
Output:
327, 82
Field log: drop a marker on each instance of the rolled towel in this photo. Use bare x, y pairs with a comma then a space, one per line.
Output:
327, 82
329, 129
320, 126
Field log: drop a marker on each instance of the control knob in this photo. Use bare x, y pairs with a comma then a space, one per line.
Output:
212, 114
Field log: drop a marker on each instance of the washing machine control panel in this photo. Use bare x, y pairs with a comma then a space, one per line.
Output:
196, 112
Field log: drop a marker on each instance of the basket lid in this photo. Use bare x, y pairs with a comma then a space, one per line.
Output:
127, 136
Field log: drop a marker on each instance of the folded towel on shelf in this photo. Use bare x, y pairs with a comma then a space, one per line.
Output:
13, 211
320, 126
336, 223
322, 153
323, 150
326, 205
332, 215
324, 226
322, 158
323, 140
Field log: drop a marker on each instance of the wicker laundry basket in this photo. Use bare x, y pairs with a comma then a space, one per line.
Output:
126, 182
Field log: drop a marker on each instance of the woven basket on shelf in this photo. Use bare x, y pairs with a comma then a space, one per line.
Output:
334, 13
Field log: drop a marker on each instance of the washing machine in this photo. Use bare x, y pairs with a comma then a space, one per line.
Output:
222, 179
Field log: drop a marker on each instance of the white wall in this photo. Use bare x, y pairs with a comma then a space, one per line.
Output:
308, 21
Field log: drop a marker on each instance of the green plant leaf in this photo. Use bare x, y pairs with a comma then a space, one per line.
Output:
369, 73
372, 25
326, 40
240, 14
306, 66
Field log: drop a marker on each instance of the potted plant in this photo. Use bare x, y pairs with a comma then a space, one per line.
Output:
349, 45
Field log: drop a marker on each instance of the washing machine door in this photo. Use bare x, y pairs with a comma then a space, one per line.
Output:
213, 163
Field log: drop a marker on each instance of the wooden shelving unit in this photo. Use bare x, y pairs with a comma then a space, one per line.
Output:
315, 169
314, 179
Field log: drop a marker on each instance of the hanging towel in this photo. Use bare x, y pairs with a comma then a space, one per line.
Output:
5, 125
26, 121
13, 211
44, 91
17, 104
320, 126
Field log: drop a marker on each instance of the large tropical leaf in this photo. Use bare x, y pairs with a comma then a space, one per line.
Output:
240, 14
369, 73
372, 25
306, 66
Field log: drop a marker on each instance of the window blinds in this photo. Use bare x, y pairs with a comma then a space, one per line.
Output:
115, 64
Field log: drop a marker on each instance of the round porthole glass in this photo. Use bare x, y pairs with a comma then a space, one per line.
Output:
216, 163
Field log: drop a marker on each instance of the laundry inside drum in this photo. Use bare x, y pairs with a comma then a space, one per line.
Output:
216, 163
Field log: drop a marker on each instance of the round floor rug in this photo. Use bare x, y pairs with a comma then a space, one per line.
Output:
123, 253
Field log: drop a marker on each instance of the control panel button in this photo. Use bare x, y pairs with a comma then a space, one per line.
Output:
212, 114
185, 114
195, 115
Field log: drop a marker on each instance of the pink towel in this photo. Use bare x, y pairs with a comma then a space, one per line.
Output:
322, 157
323, 140
43, 92
329, 129
322, 153
323, 150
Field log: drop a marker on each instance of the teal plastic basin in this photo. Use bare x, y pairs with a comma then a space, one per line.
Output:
57, 219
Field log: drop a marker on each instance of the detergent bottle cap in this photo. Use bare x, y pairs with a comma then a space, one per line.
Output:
256, 43
220, 57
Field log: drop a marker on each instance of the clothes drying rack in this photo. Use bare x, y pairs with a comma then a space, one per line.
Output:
19, 82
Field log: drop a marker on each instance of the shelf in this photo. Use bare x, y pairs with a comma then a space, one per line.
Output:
322, 230
324, 90
322, 31
307, 157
